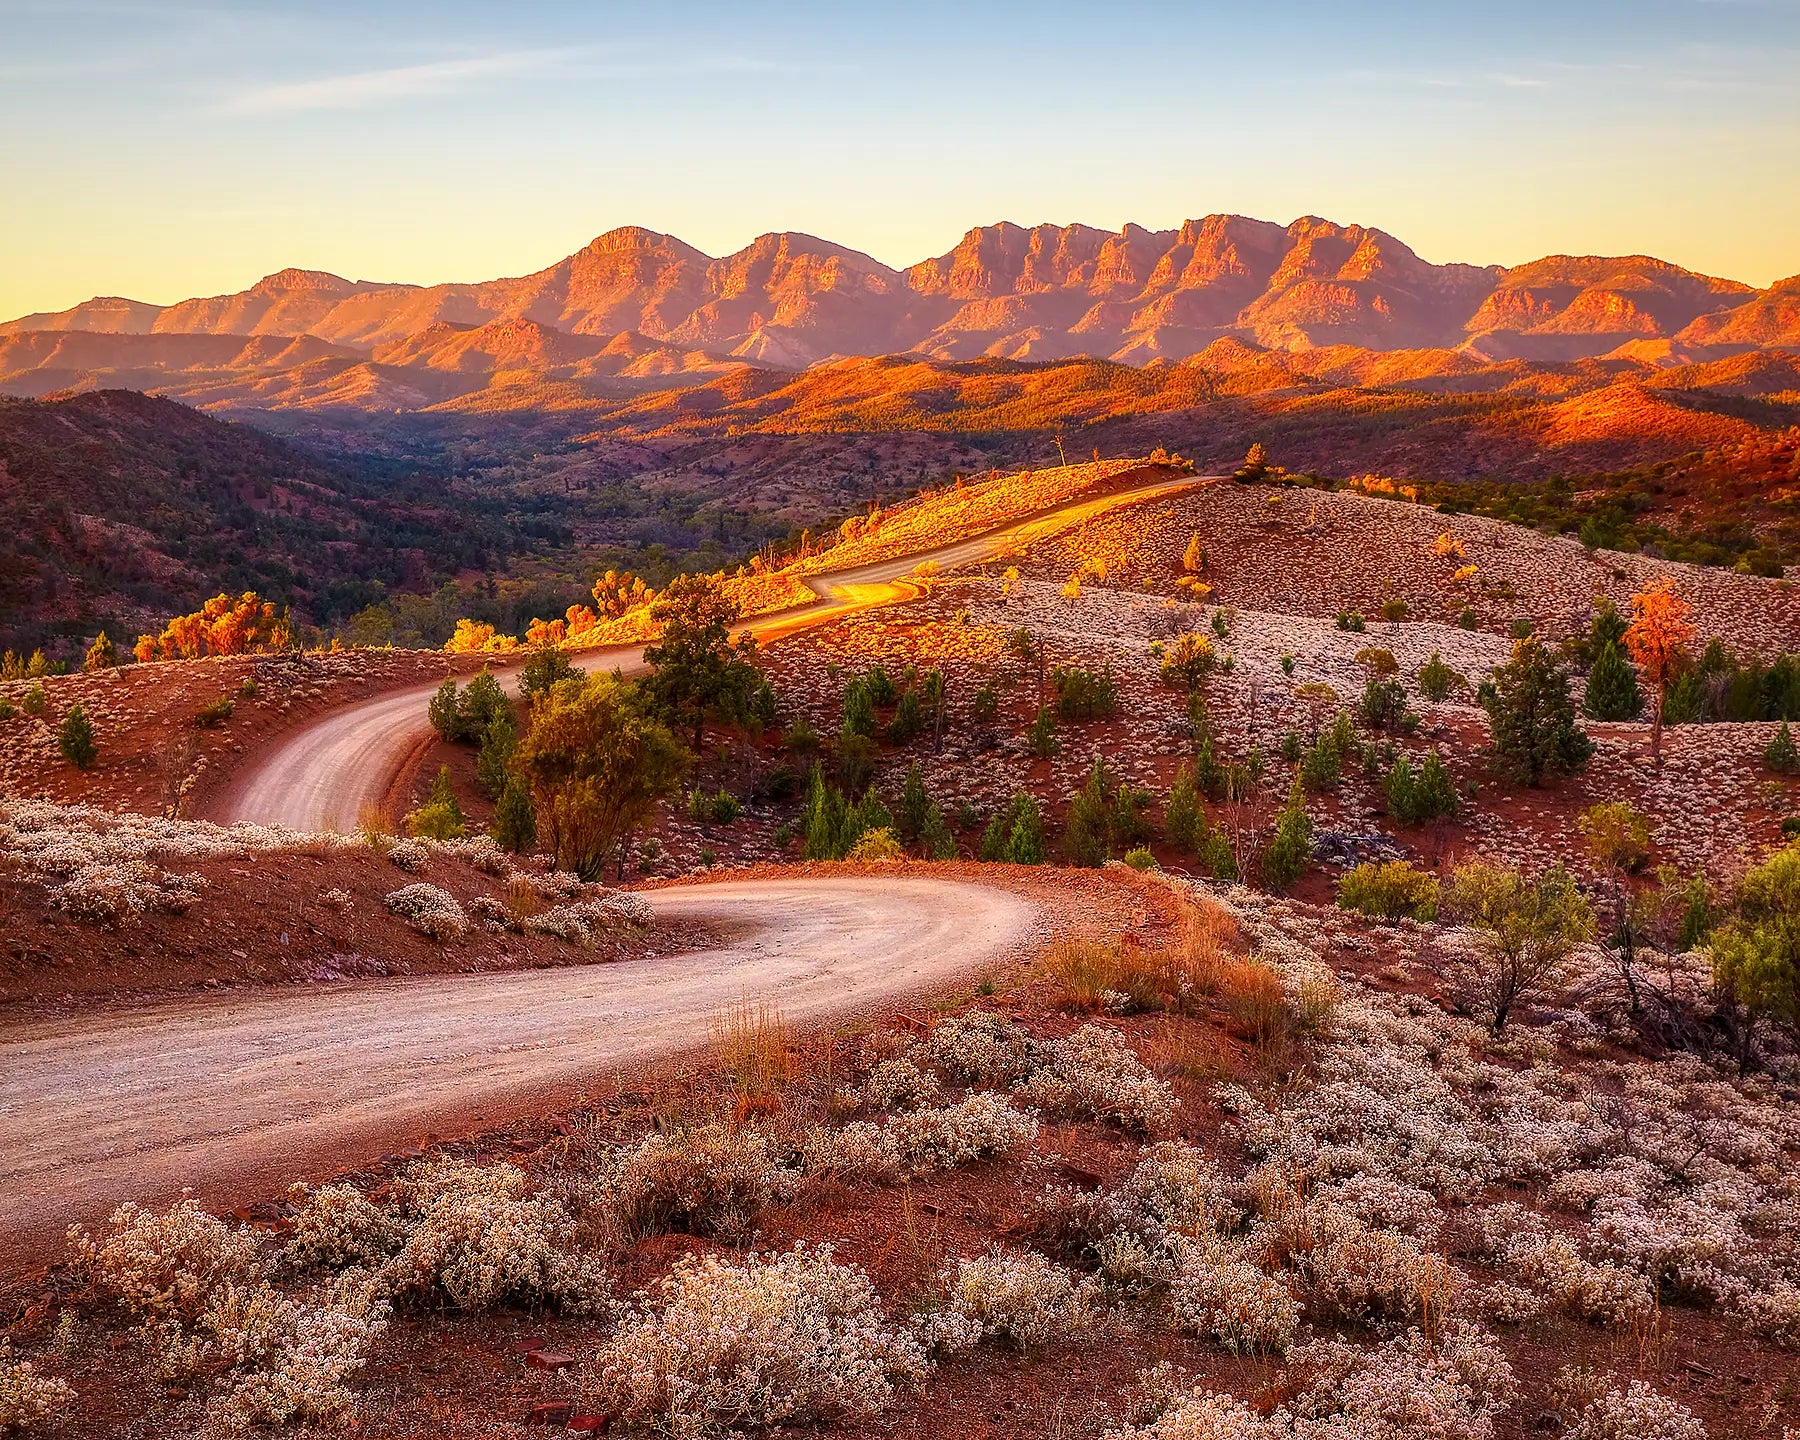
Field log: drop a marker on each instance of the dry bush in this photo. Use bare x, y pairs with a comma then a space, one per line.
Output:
1096, 1075
898, 1083
1022, 1299
1594, 1410
160, 1267
523, 900
29, 1400
337, 1225
375, 825
1119, 976
794, 1339
478, 1237
945, 1137
982, 1048
1190, 1051
1218, 1292
707, 1179
432, 911
857, 1152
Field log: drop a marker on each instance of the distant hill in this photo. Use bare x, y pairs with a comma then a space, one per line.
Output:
790, 301
117, 510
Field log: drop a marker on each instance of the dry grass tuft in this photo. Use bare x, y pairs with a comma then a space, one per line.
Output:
753, 1047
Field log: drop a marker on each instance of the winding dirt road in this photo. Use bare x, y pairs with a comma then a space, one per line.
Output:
234, 1095
321, 776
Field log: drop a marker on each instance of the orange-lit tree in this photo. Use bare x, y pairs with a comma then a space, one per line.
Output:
1658, 638
222, 626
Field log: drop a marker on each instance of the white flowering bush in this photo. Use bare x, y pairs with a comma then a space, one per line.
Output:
337, 1226
1450, 1388
1202, 1415
167, 1266
30, 1400
1180, 1187
1218, 1292
1094, 1073
1632, 1411
126, 890
273, 1359
858, 1151
1022, 1299
981, 1047
477, 1237
899, 1083
412, 856
429, 910
1552, 1265
707, 1179
587, 922
944, 1137
1355, 1273
796, 1339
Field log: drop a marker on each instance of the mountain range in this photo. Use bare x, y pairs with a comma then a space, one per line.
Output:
637, 310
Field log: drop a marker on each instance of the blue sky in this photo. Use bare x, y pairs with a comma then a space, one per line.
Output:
160, 150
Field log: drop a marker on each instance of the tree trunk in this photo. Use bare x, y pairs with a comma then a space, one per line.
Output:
1656, 726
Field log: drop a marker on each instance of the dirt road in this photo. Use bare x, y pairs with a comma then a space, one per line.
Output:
321, 776
234, 1095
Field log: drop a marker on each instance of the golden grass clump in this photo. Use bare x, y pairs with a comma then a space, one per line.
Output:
753, 1047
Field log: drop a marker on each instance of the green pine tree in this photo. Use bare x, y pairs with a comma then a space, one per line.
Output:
1612, 688
1087, 827
1532, 718
1284, 861
1025, 843
75, 738
1182, 815
498, 741
515, 818
1781, 755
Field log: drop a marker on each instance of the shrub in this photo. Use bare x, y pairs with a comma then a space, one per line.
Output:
1187, 662
29, 1400
479, 1238
792, 1339
1594, 1411
982, 1048
1781, 756
1437, 681
32, 703
1141, 859
855, 1152
1095, 1074
1528, 929
701, 1180
1612, 688
515, 819
984, 704
1352, 621
547, 668
1022, 1299
165, 1267
1532, 718
1084, 694
1284, 860
1219, 1294
101, 655
1394, 608
1389, 889
336, 1226
1357, 1274
441, 816
498, 741
1428, 795
1041, 740
1383, 705
429, 910
874, 845
6, 709
943, 1138
1016, 834
907, 721
898, 1083
75, 738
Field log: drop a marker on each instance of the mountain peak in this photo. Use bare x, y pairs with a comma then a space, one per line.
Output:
291, 280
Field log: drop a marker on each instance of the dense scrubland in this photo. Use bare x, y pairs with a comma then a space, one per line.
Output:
1428, 1066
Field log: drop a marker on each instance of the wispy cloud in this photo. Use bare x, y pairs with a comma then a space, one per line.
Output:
362, 89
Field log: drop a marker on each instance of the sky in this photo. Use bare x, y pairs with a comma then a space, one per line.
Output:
160, 150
